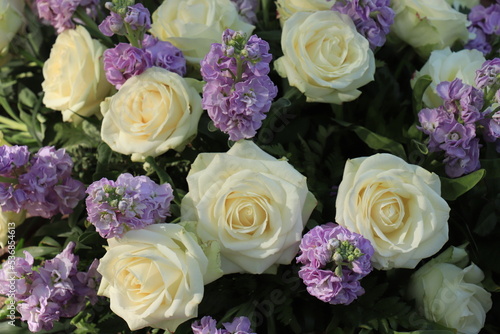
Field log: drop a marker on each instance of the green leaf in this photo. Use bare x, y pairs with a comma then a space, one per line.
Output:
42, 251
451, 189
374, 140
418, 92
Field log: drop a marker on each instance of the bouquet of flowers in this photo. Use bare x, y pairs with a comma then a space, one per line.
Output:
249, 166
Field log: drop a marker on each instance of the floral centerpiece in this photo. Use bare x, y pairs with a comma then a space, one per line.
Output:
249, 166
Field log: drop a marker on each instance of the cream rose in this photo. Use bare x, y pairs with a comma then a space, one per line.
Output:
152, 113
451, 295
254, 205
287, 8
193, 25
155, 276
325, 57
75, 82
9, 220
445, 65
428, 25
11, 20
395, 205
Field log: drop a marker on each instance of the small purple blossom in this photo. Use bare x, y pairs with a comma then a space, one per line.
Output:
239, 325
59, 13
128, 203
12, 158
208, 325
372, 18
48, 186
138, 17
488, 74
462, 99
465, 162
247, 9
348, 255
125, 61
112, 24
166, 55
486, 18
484, 26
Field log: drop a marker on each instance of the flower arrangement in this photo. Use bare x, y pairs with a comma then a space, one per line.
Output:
249, 166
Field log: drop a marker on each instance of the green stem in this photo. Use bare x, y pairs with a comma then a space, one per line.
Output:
5, 179
164, 178
92, 27
132, 38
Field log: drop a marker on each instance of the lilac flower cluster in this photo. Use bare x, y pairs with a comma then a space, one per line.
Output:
207, 325
59, 13
334, 261
144, 51
372, 18
485, 26
42, 185
247, 9
135, 17
132, 202
453, 126
238, 91
55, 290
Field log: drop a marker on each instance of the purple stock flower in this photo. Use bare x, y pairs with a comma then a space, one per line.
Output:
59, 13
462, 99
480, 42
48, 186
127, 204
486, 18
208, 325
112, 24
138, 17
165, 55
125, 61
465, 163
247, 9
44, 185
239, 325
484, 25
11, 158
333, 246
488, 74
372, 18
56, 289
238, 93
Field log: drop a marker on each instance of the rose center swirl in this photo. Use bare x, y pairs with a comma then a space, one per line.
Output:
246, 213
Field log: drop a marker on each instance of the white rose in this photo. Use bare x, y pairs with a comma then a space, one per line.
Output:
463, 3
428, 25
395, 205
75, 82
287, 8
155, 276
451, 296
193, 25
152, 113
325, 57
9, 220
11, 20
445, 65
254, 205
